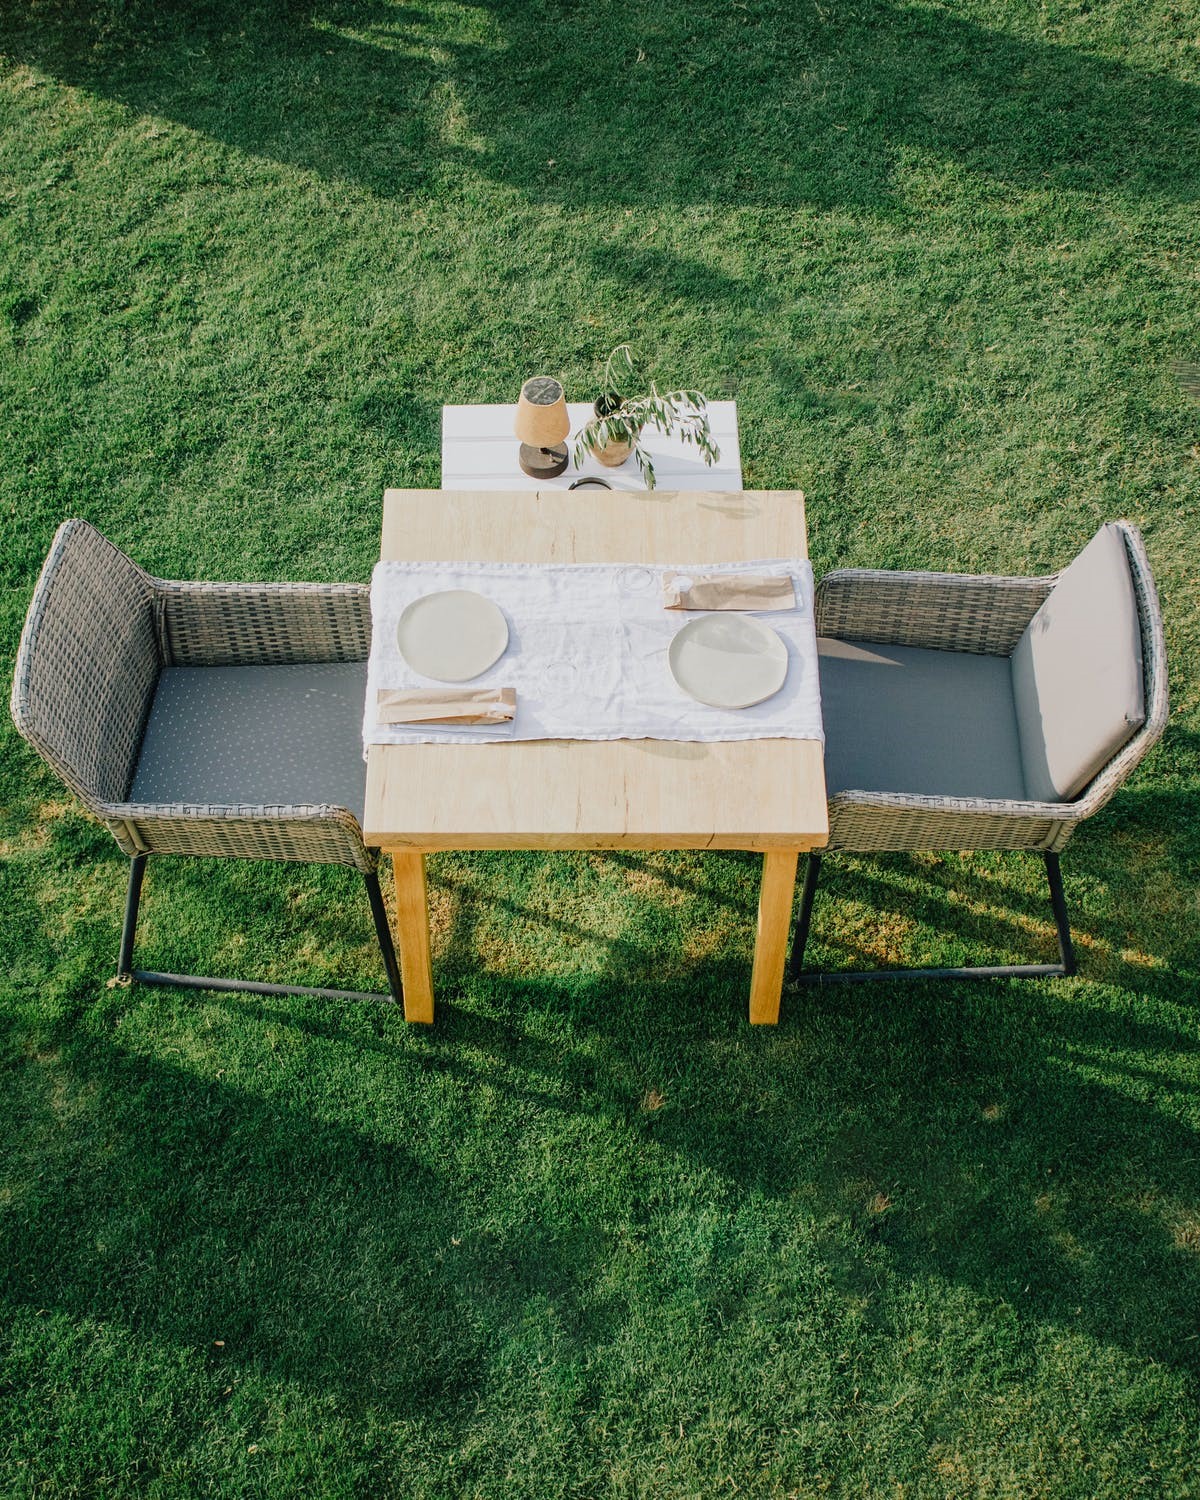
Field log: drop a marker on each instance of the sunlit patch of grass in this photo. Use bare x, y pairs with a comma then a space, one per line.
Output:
81, 893
724, 933
1185, 1230
649, 878
881, 939
33, 834
950, 1468
1142, 960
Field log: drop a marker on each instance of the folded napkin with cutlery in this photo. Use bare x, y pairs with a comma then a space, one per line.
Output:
748, 591
446, 705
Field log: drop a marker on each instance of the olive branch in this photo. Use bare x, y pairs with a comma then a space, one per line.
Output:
684, 413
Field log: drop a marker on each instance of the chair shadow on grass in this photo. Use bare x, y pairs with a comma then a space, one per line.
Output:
765, 104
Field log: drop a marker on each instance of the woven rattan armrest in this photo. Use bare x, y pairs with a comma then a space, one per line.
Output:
261, 624
893, 821
941, 611
310, 832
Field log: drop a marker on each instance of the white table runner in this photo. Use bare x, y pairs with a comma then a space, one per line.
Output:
587, 654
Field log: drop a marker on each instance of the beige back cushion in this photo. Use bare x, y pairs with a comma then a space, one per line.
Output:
1077, 672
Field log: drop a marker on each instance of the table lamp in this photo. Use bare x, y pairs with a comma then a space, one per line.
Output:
542, 425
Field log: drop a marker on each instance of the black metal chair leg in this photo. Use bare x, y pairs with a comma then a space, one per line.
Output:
1062, 921
383, 932
1066, 966
812, 873
133, 897
126, 973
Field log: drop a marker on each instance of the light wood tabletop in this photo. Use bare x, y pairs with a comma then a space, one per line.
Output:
766, 795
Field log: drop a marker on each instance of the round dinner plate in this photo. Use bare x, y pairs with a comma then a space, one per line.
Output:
452, 636
728, 660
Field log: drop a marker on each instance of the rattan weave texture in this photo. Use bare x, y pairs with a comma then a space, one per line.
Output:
261, 624
953, 612
940, 611
87, 663
98, 632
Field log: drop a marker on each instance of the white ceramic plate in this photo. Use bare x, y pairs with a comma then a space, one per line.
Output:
452, 636
728, 660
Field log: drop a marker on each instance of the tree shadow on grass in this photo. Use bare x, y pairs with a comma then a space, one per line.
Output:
1014, 1138
213, 1218
757, 105
1018, 1142
965, 1138
1031, 1144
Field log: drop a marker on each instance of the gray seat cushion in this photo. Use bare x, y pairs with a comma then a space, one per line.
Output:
255, 735
905, 719
1077, 672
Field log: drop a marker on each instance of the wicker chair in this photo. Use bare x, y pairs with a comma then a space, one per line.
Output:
214, 719
966, 617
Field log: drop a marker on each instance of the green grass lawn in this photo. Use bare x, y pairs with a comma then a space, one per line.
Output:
592, 1235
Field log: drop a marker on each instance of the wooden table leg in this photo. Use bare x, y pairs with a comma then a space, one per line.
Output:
771, 944
412, 932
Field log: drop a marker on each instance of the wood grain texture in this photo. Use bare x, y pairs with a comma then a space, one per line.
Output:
412, 934
571, 794
771, 943
593, 526
607, 794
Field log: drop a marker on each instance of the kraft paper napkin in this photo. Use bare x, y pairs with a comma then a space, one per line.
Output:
446, 705
745, 591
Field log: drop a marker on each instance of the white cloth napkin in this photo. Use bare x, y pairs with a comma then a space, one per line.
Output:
587, 654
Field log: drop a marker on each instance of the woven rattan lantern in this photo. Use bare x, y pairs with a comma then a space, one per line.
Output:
542, 424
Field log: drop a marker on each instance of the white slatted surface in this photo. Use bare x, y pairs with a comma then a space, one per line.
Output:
479, 452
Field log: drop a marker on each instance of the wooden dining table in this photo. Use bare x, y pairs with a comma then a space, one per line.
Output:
764, 795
